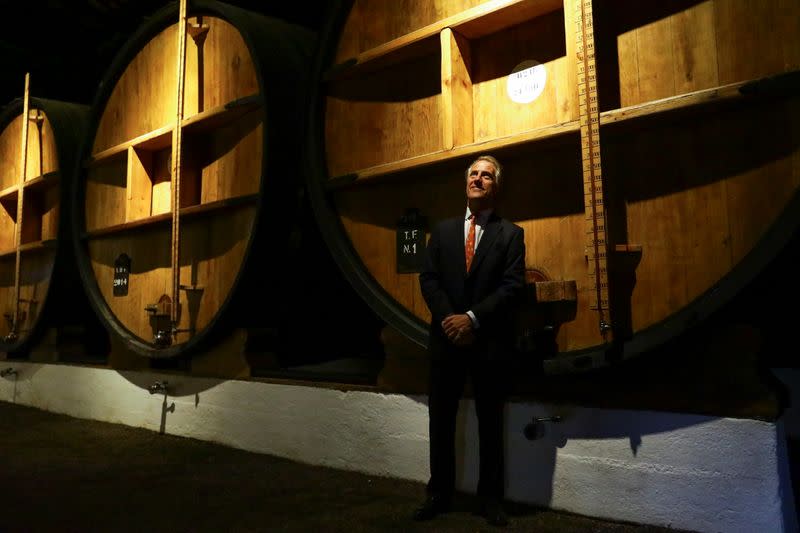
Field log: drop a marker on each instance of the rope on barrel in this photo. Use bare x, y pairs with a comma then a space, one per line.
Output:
176, 169
597, 244
12, 336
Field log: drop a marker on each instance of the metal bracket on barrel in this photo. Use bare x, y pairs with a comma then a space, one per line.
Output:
536, 428
160, 314
197, 30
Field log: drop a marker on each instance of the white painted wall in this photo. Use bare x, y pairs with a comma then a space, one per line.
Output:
685, 471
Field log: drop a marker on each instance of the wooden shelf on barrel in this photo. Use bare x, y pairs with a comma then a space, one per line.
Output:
30, 247
136, 173
187, 213
40, 208
37, 184
473, 23
679, 103
161, 138
451, 109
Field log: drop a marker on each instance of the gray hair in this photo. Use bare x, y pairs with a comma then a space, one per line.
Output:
498, 169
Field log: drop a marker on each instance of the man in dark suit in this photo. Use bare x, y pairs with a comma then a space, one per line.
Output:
474, 273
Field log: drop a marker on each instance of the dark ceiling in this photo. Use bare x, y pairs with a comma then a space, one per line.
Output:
68, 45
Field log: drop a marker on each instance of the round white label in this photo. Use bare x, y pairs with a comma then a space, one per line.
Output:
526, 82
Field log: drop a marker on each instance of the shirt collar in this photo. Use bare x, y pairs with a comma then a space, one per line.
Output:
483, 216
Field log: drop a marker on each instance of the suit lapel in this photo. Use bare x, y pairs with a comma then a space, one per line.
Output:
453, 243
490, 233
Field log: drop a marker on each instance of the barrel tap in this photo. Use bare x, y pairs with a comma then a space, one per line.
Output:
158, 386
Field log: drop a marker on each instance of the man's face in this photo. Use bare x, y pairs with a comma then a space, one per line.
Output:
481, 184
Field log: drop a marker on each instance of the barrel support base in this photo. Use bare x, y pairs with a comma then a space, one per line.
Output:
67, 343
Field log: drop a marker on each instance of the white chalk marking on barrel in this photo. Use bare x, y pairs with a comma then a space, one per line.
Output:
526, 81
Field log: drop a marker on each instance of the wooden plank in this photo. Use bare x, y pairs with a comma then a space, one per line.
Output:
188, 212
566, 71
152, 140
628, 59
656, 66
221, 115
497, 58
225, 162
219, 70
556, 291
50, 204
628, 248
753, 38
106, 194
139, 184
694, 49
717, 95
481, 20
160, 176
10, 138
706, 97
142, 103
391, 118
37, 270
456, 90
43, 180
463, 151
31, 247
160, 138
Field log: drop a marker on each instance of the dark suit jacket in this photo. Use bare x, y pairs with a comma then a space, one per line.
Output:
491, 289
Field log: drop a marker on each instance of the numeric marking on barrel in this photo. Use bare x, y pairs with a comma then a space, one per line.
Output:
596, 242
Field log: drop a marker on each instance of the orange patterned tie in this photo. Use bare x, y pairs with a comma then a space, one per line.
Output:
469, 246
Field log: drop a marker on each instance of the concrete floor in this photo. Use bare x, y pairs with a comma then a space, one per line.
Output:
59, 473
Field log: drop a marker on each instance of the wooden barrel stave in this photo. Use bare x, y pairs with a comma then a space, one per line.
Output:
691, 190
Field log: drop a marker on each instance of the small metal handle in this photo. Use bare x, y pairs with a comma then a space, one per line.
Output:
158, 386
536, 428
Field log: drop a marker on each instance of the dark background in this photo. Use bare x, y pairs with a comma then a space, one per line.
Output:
68, 45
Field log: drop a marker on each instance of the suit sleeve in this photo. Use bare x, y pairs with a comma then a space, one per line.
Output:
500, 301
430, 280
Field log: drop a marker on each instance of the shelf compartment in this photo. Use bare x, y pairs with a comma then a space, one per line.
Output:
472, 23
9, 194
221, 116
535, 135
663, 49
194, 211
42, 182
31, 247
689, 101
162, 137
154, 140
132, 181
392, 118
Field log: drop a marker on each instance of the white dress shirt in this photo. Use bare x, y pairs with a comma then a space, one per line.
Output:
480, 223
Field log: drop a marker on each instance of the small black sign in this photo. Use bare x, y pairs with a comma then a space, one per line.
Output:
410, 242
122, 269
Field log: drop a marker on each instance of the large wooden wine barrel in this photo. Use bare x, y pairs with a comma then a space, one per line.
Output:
650, 149
34, 219
244, 88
